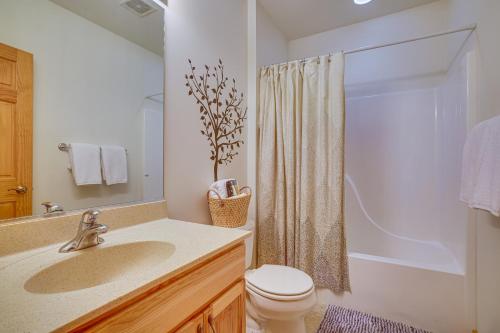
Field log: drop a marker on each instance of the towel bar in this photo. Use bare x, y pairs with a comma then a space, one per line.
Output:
66, 147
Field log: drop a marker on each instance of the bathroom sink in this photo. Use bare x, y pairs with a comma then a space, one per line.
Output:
99, 265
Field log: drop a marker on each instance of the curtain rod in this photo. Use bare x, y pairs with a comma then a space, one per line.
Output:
471, 28
403, 41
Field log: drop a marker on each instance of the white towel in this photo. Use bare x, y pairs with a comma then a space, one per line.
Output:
220, 187
481, 167
85, 163
114, 164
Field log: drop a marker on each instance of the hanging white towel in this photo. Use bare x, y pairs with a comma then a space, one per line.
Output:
85, 163
481, 167
114, 164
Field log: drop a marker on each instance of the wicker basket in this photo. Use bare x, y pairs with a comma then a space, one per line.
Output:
229, 212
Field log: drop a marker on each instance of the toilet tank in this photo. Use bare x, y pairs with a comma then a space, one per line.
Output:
250, 226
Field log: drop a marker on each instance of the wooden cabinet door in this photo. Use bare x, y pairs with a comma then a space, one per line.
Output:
227, 313
16, 134
195, 325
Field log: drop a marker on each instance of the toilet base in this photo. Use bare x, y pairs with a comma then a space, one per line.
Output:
252, 325
273, 319
296, 325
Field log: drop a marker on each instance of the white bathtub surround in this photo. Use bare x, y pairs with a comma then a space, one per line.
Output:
85, 163
481, 167
405, 225
371, 240
300, 168
404, 142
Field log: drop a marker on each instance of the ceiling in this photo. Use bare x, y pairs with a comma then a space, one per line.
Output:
145, 31
300, 18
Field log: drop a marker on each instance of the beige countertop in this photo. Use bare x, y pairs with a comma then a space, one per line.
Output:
30, 306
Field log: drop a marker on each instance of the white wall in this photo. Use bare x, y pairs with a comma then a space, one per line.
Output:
202, 31
252, 108
272, 45
89, 87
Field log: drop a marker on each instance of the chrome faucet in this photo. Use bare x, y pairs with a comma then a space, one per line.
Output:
88, 232
52, 209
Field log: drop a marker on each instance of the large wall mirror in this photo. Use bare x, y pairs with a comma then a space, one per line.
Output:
82, 127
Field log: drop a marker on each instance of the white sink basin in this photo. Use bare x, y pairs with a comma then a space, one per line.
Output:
99, 265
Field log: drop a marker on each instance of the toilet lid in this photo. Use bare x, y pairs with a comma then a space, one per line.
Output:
280, 280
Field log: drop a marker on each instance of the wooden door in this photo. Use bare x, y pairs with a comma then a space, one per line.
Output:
195, 325
227, 313
16, 132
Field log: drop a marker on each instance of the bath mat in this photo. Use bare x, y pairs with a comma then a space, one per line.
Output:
342, 320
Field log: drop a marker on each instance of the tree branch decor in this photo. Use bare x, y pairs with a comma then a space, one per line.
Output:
221, 112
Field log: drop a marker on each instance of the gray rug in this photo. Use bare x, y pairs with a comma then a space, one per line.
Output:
342, 320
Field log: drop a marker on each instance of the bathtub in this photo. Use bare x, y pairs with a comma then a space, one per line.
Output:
399, 278
427, 299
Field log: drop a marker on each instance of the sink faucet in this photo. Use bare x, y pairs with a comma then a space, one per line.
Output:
52, 209
88, 232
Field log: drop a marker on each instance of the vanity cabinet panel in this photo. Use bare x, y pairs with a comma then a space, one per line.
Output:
195, 325
164, 307
227, 313
224, 315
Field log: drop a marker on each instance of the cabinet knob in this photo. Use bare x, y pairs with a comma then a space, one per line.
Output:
19, 189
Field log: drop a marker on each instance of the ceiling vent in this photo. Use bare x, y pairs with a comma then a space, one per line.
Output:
139, 7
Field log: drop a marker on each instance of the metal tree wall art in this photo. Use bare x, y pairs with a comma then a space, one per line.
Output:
221, 112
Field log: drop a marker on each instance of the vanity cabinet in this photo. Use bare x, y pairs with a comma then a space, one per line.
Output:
209, 297
195, 325
225, 315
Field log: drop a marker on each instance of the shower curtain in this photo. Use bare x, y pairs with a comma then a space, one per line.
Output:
300, 169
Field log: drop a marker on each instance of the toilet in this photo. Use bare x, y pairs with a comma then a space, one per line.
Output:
278, 297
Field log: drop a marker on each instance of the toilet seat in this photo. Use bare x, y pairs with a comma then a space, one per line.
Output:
275, 297
279, 283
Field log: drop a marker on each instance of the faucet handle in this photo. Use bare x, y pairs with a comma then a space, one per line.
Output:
52, 208
90, 216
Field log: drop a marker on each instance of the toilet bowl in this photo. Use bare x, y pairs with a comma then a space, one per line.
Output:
278, 297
